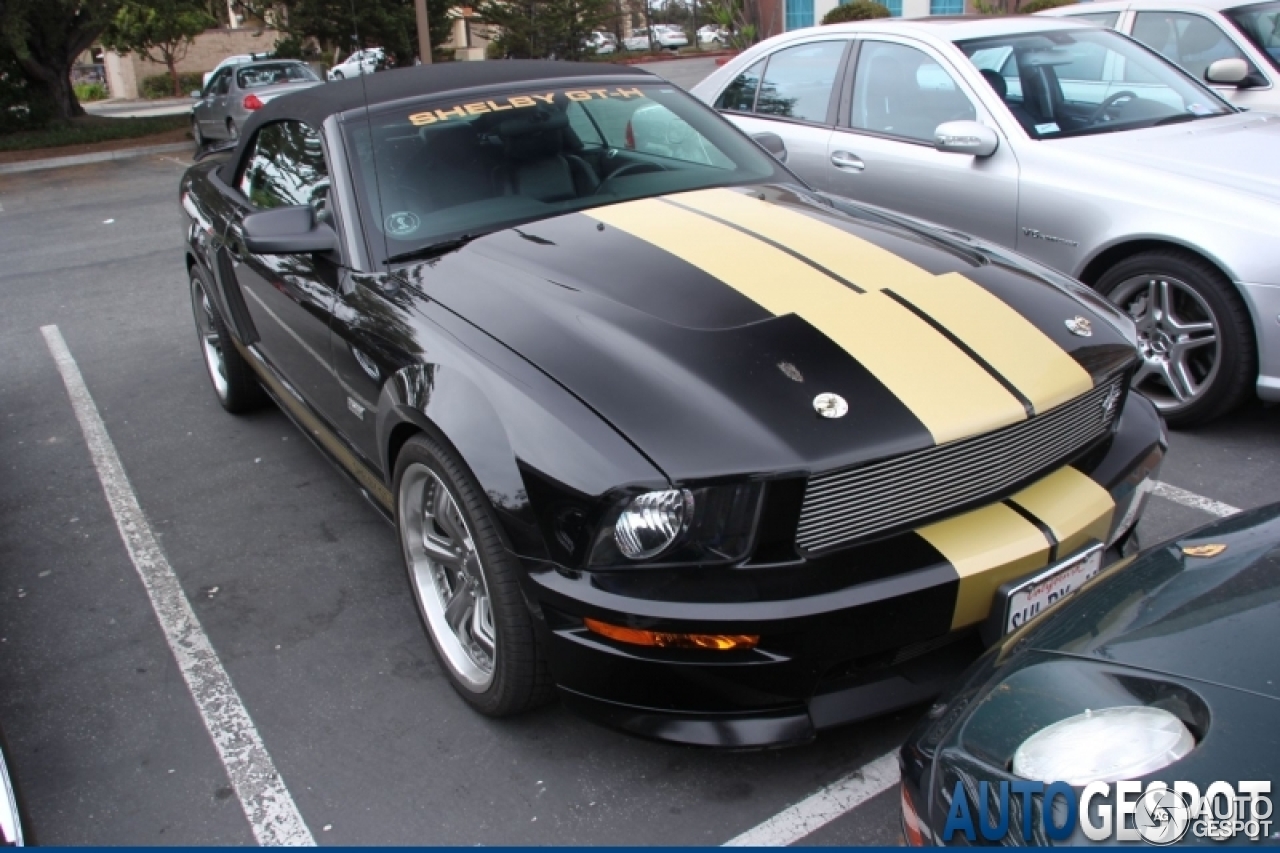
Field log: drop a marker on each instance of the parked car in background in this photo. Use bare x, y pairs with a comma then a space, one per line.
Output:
237, 91
1150, 672
664, 36
1233, 46
365, 61
238, 59
712, 34
1068, 142
601, 42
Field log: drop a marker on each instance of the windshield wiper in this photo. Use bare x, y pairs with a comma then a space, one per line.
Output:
433, 250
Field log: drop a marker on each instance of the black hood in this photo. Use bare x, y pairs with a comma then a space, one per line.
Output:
712, 369
1208, 618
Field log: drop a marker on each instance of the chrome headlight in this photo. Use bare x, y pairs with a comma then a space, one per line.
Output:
1107, 745
651, 522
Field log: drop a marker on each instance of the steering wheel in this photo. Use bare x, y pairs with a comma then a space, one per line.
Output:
1110, 102
630, 169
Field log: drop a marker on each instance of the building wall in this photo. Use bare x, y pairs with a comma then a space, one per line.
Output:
125, 73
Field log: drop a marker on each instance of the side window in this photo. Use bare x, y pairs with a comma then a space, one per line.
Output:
582, 126
286, 167
1188, 40
218, 83
799, 80
740, 96
902, 91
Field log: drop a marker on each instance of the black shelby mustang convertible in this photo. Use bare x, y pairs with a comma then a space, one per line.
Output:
722, 460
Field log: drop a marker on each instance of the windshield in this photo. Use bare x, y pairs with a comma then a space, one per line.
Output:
274, 73
433, 170
1260, 24
1086, 81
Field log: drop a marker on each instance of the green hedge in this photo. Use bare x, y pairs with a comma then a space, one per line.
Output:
90, 92
1034, 6
161, 85
857, 10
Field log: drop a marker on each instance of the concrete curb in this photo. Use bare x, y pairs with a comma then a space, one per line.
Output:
94, 157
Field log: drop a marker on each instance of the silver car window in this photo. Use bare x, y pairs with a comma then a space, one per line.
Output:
1192, 41
902, 91
740, 95
1260, 24
286, 167
798, 81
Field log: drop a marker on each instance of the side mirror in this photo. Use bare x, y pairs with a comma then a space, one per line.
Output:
195, 93
966, 137
772, 143
288, 231
1227, 72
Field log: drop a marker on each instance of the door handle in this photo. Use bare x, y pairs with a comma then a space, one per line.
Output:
847, 161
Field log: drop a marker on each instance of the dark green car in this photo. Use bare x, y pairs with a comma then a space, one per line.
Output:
1161, 670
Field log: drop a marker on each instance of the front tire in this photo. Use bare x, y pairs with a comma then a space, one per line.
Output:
197, 135
1195, 334
233, 132
234, 382
465, 583
337, 75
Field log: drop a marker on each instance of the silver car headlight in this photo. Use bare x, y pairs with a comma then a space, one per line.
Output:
1107, 745
692, 526
651, 522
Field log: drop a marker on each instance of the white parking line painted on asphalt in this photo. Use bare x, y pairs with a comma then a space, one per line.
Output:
817, 810
1191, 499
266, 801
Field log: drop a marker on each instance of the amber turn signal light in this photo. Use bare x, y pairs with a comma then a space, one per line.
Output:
661, 639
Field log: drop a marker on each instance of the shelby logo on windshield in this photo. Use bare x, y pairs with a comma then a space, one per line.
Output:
1157, 814
516, 102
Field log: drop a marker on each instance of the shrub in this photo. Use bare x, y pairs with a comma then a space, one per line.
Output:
1033, 6
90, 92
859, 10
161, 85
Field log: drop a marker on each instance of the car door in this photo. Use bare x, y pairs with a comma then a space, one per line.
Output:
882, 151
289, 297
1195, 41
793, 93
210, 111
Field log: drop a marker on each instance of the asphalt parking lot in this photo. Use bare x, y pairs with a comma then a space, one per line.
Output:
298, 586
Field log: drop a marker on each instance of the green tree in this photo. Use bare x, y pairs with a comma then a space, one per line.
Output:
389, 24
159, 31
41, 40
737, 19
537, 29
857, 10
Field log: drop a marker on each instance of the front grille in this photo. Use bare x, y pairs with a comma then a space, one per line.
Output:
843, 506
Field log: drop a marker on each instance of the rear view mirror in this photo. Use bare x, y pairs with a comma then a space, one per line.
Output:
288, 231
1227, 72
966, 137
772, 143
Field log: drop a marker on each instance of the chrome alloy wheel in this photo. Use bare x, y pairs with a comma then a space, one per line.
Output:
211, 342
444, 568
1177, 335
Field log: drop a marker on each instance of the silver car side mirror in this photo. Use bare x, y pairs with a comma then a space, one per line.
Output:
1227, 72
966, 137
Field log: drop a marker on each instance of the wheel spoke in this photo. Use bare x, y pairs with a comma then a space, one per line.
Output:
450, 520
482, 630
459, 608
1161, 300
1177, 381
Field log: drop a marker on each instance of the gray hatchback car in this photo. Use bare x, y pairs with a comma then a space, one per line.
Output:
236, 91
1070, 143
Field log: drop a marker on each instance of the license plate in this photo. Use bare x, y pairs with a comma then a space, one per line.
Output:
1036, 595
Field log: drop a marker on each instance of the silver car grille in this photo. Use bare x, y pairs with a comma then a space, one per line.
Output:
843, 506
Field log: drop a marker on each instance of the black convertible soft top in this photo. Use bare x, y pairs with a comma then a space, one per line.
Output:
316, 104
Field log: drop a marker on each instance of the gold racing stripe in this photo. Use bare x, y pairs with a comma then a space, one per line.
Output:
987, 547
1070, 504
1016, 349
950, 393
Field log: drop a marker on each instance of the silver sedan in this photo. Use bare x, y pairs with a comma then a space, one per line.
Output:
236, 91
1067, 142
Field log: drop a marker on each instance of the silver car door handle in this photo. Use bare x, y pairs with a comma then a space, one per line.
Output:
846, 161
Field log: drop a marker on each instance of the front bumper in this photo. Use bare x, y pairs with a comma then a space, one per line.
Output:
845, 636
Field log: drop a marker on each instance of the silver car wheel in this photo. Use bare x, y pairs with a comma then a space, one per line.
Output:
1178, 336
211, 342
447, 579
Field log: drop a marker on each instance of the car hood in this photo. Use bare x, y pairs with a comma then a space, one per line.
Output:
1236, 151
1209, 618
704, 325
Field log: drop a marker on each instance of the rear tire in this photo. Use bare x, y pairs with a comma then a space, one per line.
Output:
234, 382
1197, 339
197, 135
465, 583
233, 132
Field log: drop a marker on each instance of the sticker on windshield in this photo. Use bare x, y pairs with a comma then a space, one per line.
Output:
1051, 127
1199, 109
517, 102
402, 222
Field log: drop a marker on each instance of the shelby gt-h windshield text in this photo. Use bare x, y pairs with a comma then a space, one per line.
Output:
657, 426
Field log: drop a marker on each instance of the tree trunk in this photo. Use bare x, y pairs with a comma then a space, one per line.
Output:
172, 65
50, 83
